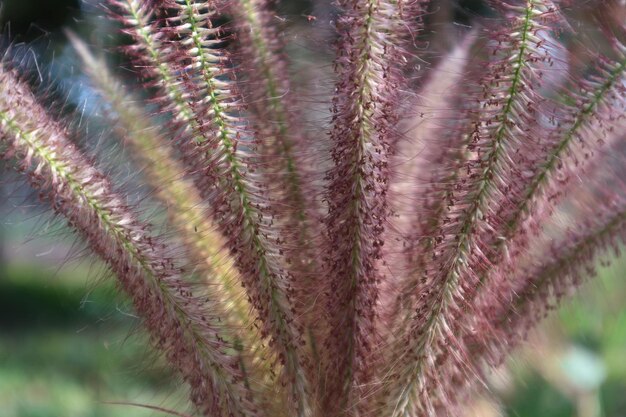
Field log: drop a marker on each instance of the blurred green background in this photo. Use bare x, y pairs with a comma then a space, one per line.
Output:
69, 344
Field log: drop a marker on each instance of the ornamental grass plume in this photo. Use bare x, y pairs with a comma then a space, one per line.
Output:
379, 264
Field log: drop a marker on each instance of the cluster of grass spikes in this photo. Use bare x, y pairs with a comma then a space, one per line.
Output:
378, 262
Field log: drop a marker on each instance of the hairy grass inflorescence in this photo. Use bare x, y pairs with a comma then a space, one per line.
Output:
378, 265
